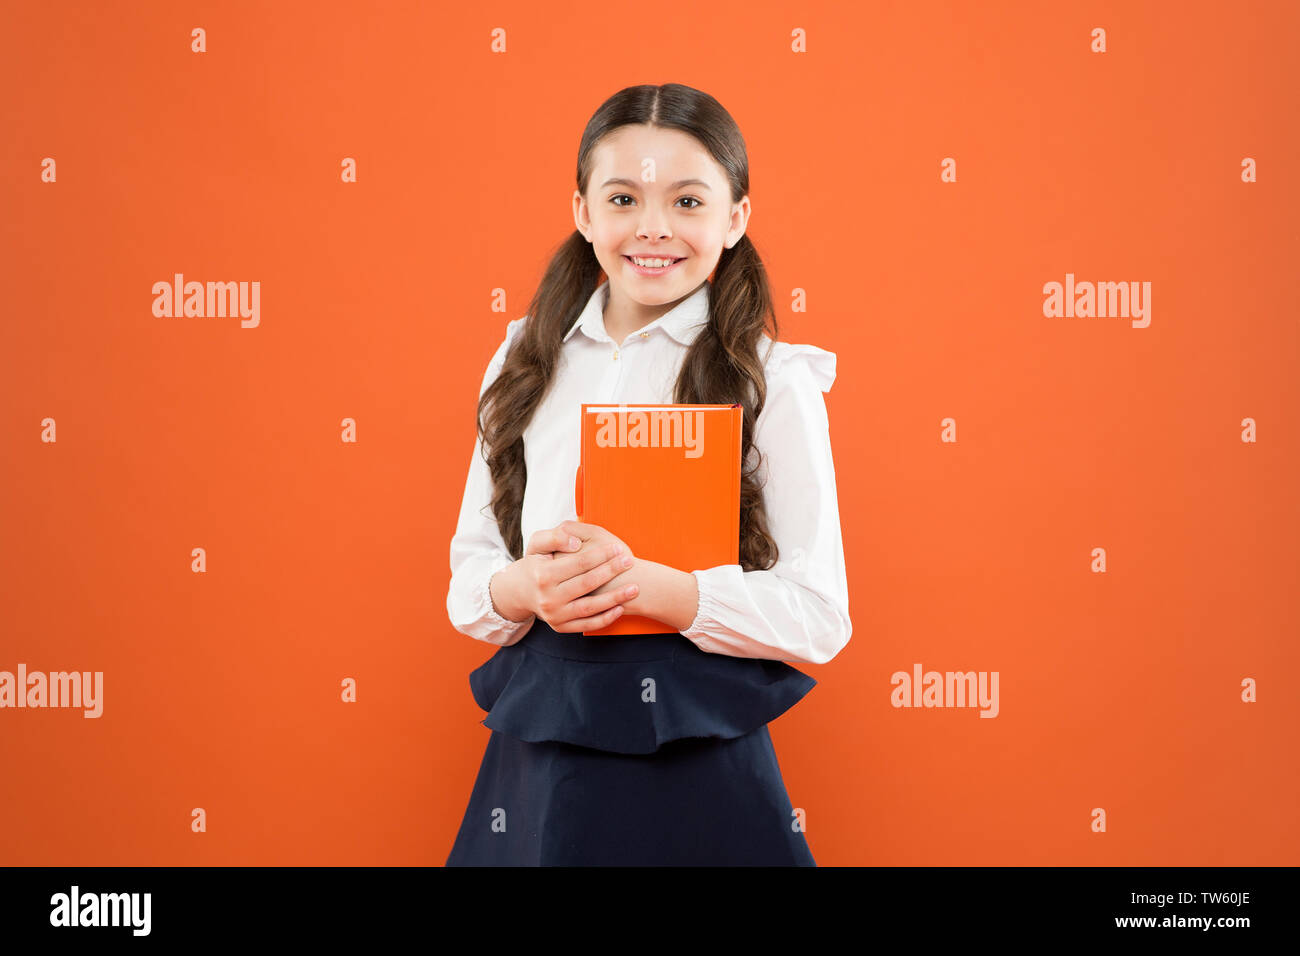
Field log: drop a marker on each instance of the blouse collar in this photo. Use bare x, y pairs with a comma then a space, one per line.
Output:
683, 321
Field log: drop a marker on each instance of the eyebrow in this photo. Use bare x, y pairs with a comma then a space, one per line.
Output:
677, 185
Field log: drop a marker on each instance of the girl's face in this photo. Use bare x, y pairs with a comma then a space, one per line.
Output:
657, 193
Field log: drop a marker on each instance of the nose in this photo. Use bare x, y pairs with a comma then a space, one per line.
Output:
653, 224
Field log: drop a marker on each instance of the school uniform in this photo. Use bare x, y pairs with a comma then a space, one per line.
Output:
651, 749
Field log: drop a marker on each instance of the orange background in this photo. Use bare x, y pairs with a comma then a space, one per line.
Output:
329, 560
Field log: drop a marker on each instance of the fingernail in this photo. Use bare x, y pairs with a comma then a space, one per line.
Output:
626, 563
573, 544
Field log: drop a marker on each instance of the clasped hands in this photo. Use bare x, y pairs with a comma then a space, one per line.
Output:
575, 577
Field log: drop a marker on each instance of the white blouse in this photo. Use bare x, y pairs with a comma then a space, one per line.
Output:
796, 611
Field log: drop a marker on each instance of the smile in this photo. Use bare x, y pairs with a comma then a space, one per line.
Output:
664, 264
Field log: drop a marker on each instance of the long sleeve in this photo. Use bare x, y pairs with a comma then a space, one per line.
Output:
799, 609
477, 549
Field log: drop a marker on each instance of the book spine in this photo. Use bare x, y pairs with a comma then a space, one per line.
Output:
738, 421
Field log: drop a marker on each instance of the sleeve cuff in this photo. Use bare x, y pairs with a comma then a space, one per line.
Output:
706, 614
509, 630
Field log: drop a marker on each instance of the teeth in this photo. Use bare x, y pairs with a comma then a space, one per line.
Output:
652, 263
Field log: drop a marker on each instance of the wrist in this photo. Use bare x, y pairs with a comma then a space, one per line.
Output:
667, 594
502, 596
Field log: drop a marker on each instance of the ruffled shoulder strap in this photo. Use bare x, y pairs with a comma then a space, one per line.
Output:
514, 329
783, 357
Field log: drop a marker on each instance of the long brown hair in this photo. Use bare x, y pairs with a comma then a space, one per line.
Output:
720, 367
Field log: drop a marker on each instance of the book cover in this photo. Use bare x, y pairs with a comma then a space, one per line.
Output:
665, 479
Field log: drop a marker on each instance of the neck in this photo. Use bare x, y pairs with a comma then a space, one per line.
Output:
624, 315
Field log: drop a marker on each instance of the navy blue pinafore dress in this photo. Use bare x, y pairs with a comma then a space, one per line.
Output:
629, 750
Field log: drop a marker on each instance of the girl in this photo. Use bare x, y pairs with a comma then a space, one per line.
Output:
645, 749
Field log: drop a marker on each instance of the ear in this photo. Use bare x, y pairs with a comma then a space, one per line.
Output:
581, 215
739, 221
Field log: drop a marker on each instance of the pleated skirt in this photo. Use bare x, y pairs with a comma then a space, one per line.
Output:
630, 750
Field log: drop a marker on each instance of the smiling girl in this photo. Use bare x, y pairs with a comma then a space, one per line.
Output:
648, 749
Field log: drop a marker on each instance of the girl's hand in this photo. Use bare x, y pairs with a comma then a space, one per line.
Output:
554, 581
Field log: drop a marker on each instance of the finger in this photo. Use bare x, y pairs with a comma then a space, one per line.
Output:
583, 530
564, 540
572, 574
550, 540
588, 532
536, 543
577, 562
598, 603
590, 569
592, 623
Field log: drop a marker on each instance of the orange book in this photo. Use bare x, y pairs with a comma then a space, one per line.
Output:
665, 479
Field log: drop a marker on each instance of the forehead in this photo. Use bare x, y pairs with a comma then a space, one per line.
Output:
676, 155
